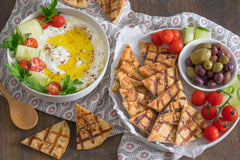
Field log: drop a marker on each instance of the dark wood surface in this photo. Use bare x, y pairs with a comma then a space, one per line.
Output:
223, 12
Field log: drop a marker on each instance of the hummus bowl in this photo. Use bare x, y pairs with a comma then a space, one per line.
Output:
80, 49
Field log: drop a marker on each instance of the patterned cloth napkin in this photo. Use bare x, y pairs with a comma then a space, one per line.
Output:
99, 101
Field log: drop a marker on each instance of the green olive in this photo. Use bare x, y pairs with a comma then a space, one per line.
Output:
217, 67
223, 59
191, 72
203, 45
208, 65
201, 55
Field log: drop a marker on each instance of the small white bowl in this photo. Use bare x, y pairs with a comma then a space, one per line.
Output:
87, 90
187, 51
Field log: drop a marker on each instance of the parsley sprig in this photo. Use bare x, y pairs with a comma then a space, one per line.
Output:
12, 41
68, 86
50, 11
16, 70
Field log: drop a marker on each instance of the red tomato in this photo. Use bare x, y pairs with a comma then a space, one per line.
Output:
54, 88
156, 39
229, 113
57, 21
199, 98
221, 124
42, 23
209, 112
176, 34
31, 42
176, 46
24, 64
214, 98
37, 64
166, 36
211, 133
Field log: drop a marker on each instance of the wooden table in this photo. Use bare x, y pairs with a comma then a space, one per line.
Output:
223, 12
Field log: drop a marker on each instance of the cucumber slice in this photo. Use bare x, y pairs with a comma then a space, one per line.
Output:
202, 32
26, 53
32, 27
188, 34
40, 78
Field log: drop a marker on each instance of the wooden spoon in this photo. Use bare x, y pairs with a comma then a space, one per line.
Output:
23, 115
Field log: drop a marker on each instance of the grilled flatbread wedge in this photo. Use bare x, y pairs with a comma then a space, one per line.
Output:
113, 9
77, 3
163, 132
191, 125
165, 98
144, 120
91, 130
136, 107
127, 82
151, 69
161, 81
52, 141
132, 95
151, 54
171, 114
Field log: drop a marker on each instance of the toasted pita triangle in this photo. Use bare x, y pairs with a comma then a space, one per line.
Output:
161, 81
135, 107
191, 125
163, 132
132, 95
165, 98
171, 114
151, 69
113, 9
77, 3
91, 130
144, 120
52, 141
152, 53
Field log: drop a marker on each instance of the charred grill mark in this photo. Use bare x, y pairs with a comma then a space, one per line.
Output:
56, 139
156, 57
155, 84
146, 52
166, 80
175, 74
169, 135
30, 139
46, 135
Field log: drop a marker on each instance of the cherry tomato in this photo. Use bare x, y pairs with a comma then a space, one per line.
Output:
199, 98
42, 22
209, 112
31, 42
221, 124
229, 113
57, 21
214, 98
176, 46
211, 133
166, 36
156, 39
24, 64
176, 34
37, 64
54, 88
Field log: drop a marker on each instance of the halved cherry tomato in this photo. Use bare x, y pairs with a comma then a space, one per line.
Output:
31, 42
42, 22
54, 88
209, 112
166, 36
57, 21
24, 64
199, 98
221, 124
229, 113
156, 39
176, 46
37, 64
211, 133
176, 34
214, 98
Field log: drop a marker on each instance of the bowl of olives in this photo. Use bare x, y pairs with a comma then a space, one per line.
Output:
207, 64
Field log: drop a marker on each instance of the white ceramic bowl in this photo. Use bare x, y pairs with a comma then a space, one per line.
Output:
84, 92
187, 51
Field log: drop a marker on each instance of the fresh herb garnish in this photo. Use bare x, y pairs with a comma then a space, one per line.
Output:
12, 41
68, 86
50, 11
16, 70
32, 83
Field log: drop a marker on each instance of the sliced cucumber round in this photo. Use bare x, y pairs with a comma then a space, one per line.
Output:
40, 78
26, 53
